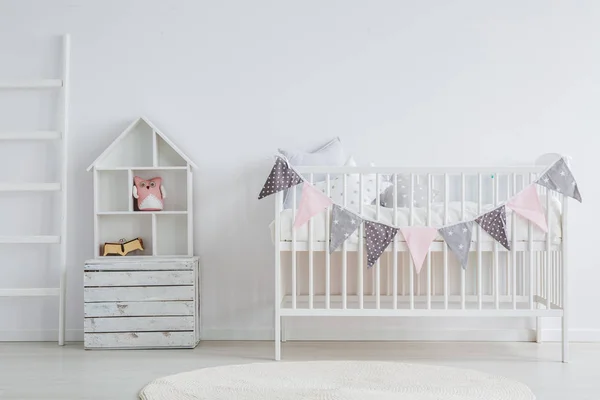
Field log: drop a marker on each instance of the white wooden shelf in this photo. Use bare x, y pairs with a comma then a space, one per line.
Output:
31, 84
30, 239
142, 213
33, 135
33, 292
143, 151
29, 187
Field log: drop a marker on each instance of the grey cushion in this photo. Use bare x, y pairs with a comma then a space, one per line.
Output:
403, 196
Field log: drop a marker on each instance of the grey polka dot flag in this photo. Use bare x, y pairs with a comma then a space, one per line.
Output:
560, 179
343, 224
379, 236
494, 223
281, 177
458, 239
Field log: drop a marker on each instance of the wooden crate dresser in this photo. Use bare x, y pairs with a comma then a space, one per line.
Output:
136, 303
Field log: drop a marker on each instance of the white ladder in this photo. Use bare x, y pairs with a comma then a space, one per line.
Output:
60, 134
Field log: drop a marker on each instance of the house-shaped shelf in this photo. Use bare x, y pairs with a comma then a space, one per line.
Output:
144, 151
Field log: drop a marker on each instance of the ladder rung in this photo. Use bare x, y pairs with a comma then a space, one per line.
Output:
29, 292
29, 187
30, 239
31, 84
33, 135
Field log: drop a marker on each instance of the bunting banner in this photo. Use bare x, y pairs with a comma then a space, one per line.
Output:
378, 237
418, 239
560, 179
458, 238
312, 202
343, 224
528, 205
281, 177
458, 235
494, 223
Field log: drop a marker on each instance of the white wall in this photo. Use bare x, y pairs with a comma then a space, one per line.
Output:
402, 83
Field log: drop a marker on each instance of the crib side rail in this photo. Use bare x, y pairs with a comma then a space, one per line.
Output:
495, 279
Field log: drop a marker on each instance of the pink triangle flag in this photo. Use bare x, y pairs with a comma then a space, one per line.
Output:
418, 239
312, 202
527, 204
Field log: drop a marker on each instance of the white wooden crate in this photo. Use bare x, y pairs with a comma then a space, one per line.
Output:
142, 303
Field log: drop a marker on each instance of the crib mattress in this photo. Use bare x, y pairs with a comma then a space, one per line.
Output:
386, 215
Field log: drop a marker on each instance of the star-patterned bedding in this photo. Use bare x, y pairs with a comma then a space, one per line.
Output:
420, 219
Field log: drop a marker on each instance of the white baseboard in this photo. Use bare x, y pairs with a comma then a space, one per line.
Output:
471, 335
575, 335
47, 335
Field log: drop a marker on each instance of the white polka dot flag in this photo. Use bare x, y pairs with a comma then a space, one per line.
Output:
494, 223
379, 236
560, 179
281, 177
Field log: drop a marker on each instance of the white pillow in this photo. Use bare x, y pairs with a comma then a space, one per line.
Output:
330, 154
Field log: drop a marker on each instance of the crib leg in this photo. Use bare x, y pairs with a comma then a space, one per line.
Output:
565, 340
277, 338
538, 330
283, 330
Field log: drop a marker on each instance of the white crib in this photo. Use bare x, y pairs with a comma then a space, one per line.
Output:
530, 280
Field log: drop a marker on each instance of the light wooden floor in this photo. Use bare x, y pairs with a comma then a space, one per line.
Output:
47, 371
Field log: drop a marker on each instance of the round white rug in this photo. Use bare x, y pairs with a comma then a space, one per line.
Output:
335, 380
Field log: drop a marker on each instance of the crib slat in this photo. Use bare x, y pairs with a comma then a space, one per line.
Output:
530, 238
433, 268
429, 192
327, 255
378, 263
310, 259
514, 249
294, 267
547, 255
388, 275
564, 278
411, 267
479, 240
463, 274
395, 274
345, 252
446, 201
361, 235
507, 254
496, 258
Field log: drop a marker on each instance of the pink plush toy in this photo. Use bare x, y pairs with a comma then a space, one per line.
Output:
149, 193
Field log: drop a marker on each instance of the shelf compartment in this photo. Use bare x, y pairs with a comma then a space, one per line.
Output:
175, 183
166, 156
171, 235
112, 228
113, 191
134, 148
